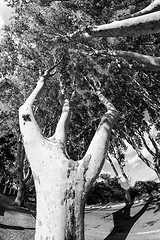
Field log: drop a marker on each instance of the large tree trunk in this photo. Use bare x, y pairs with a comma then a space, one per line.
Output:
61, 183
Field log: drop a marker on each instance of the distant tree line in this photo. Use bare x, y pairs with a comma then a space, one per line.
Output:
109, 190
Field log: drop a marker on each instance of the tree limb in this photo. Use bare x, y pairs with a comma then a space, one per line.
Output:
153, 7
149, 62
62, 125
112, 165
95, 156
140, 155
141, 25
26, 117
146, 145
157, 155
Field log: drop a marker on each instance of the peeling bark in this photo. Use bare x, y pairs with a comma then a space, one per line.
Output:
61, 183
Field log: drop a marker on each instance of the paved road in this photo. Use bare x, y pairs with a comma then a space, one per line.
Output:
99, 223
19, 225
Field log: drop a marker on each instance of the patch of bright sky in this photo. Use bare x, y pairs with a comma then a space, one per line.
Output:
5, 13
135, 168
1, 21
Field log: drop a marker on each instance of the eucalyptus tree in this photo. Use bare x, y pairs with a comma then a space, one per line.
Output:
61, 36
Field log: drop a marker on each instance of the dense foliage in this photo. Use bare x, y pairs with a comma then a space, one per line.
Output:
7, 157
109, 190
40, 35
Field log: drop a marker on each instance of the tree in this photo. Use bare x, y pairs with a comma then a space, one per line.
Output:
105, 190
146, 187
12, 159
24, 175
144, 22
40, 35
68, 184
124, 180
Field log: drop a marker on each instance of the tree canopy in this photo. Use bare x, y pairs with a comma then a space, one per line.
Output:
45, 33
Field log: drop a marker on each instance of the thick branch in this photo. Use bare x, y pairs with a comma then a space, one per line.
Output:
141, 25
112, 165
149, 62
95, 156
62, 126
153, 7
146, 145
27, 121
110, 107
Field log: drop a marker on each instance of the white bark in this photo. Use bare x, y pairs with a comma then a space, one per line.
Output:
62, 184
146, 61
153, 7
141, 25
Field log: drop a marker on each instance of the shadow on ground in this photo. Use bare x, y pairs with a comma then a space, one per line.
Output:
14, 227
123, 222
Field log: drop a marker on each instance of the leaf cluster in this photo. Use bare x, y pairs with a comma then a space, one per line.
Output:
40, 33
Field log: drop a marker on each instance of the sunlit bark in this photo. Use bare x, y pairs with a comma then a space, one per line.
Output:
61, 183
153, 7
146, 61
141, 25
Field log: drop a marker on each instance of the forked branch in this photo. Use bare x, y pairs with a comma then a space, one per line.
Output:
26, 117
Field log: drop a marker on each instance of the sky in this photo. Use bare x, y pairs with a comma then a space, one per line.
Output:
5, 13
134, 168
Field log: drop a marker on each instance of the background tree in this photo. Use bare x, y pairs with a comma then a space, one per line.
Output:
105, 190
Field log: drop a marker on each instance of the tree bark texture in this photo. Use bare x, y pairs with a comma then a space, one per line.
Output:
140, 25
153, 7
146, 61
61, 183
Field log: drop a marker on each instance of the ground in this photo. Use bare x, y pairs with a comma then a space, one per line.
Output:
18, 224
